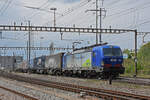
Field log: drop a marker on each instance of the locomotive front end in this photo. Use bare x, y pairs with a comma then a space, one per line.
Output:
112, 60
108, 59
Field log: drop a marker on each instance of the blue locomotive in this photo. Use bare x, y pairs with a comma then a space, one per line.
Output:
101, 61
97, 61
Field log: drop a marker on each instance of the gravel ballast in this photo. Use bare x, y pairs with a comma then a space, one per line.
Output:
39, 92
116, 86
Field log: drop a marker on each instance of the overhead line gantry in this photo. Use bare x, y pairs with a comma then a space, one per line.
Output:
62, 29
33, 48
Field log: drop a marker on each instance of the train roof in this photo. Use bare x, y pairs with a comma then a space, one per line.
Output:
107, 46
87, 48
44, 56
90, 47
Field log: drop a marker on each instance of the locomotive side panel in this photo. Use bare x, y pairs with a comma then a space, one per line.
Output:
78, 61
86, 59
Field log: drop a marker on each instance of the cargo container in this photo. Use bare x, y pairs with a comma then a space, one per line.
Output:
78, 61
53, 63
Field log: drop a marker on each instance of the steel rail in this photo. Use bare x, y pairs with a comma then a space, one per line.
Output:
101, 93
63, 87
132, 80
18, 93
134, 77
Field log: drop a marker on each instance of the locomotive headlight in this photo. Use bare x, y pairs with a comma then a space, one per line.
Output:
111, 60
102, 63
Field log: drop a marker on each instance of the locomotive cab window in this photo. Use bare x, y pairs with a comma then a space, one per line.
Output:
112, 52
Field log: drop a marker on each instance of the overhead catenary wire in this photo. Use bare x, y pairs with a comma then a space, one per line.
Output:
83, 12
90, 18
71, 10
130, 10
142, 23
44, 5
6, 6
38, 8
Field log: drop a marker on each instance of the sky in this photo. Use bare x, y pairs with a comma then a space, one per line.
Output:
120, 14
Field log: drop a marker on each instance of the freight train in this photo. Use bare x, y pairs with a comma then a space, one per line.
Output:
100, 61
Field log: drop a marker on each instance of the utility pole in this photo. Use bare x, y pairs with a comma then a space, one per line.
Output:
96, 10
96, 21
144, 35
0, 38
14, 61
100, 35
101, 10
135, 58
61, 33
101, 14
29, 43
27, 52
54, 9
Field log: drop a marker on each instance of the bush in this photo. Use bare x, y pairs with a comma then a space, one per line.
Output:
143, 65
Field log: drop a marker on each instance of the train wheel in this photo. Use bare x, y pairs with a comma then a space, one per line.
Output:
41, 71
57, 73
84, 74
66, 73
88, 74
71, 73
102, 76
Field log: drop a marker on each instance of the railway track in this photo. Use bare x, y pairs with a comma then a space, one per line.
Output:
100, 93
131, 80
18, 93
134, 77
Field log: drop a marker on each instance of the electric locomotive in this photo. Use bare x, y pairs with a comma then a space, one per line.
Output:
100, 61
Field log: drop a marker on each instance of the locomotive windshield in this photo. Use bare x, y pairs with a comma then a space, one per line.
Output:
112, 52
